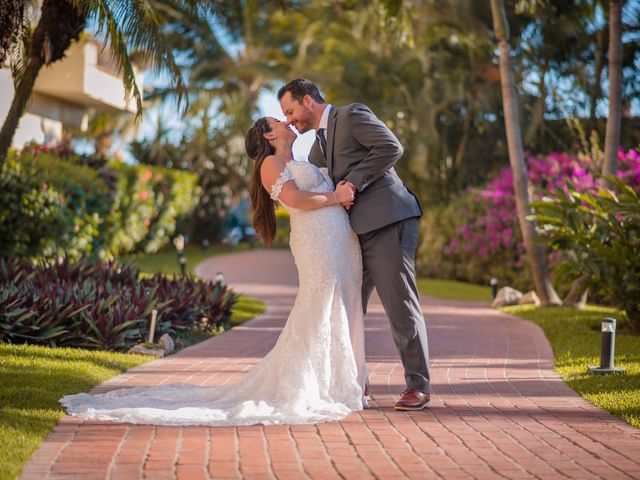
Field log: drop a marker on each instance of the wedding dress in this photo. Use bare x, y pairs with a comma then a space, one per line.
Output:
316, 371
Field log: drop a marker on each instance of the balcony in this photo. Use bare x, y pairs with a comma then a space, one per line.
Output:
86, 77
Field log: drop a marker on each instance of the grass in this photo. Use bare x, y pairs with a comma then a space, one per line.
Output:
33, 380
452, 290
166, 261
575, 338
245, 309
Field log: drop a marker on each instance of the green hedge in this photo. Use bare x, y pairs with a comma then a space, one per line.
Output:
54, 206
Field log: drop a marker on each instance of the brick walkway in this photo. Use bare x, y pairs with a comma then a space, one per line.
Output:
499, 410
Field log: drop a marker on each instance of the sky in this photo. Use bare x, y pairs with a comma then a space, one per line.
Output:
268, 106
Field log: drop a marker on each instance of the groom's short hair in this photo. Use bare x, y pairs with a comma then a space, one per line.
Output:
300, 87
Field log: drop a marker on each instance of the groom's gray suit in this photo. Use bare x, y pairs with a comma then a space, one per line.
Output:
361, 149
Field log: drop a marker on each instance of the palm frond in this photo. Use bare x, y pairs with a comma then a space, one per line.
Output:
133, 28
19, 54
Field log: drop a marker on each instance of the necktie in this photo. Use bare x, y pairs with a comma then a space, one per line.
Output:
322, 140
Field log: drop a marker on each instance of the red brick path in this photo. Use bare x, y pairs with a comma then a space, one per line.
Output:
499, 410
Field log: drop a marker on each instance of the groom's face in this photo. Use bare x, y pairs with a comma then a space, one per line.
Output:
298, 113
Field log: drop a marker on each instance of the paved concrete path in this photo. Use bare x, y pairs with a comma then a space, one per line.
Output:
499, 410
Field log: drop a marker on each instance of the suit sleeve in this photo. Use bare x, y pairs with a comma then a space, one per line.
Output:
383, 148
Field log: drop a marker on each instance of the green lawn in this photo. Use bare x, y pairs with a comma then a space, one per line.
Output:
166, 261
246, 308
33, 380
575, 338
452, 290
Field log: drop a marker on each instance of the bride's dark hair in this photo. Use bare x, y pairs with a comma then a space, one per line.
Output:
263, 215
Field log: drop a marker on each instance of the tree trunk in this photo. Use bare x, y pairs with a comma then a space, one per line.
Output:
18, 106
576, 292
612, 137
60, 24
535, 252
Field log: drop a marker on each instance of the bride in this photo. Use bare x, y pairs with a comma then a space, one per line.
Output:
316, 371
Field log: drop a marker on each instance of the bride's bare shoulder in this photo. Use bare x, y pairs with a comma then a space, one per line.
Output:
271, 168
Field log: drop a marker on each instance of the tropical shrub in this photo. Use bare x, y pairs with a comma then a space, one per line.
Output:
55, 205
102, 305
477, 235
598, 234
49, 206
151, 201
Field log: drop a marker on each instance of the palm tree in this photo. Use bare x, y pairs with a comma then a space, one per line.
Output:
433, 73
612, 136
127, 26
535, 252
225, 59
224, 55
11, 24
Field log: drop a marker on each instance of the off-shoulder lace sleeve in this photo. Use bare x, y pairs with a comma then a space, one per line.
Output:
276, 188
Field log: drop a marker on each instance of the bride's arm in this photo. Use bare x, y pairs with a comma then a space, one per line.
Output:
293, 197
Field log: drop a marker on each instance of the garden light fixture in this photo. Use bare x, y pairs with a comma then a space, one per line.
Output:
494, 287
607, 348
179, 242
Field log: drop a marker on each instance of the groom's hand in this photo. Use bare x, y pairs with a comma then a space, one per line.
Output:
353, 188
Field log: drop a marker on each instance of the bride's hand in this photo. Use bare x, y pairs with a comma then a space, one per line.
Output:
345, 194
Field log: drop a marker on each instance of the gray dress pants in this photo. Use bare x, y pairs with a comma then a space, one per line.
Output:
388, 256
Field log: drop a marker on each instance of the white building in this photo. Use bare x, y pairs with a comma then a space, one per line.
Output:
66, 92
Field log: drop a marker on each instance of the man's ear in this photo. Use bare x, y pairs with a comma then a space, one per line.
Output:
308, 101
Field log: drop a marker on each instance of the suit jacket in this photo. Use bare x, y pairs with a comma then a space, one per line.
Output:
362, 150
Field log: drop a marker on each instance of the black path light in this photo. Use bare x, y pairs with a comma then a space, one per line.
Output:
178, 242
494, 287
607, 348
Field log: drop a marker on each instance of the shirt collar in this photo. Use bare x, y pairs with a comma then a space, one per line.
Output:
324, 120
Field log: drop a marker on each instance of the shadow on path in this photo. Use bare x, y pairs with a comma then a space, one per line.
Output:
498, 409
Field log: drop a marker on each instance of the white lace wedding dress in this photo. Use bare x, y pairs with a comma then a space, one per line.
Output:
315, 373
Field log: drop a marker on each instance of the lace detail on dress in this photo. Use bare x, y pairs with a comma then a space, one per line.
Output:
276, 188
316, 371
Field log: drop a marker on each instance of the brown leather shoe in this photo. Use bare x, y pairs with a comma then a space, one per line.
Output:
413, 400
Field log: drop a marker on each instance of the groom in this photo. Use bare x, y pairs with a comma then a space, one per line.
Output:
357, 147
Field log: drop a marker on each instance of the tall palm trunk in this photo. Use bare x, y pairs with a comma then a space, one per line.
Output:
535, 252
60, 24
612, 136
19, 104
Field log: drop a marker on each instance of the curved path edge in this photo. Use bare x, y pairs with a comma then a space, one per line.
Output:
498, 409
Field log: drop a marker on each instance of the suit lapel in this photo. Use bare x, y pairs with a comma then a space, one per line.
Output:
331, 130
